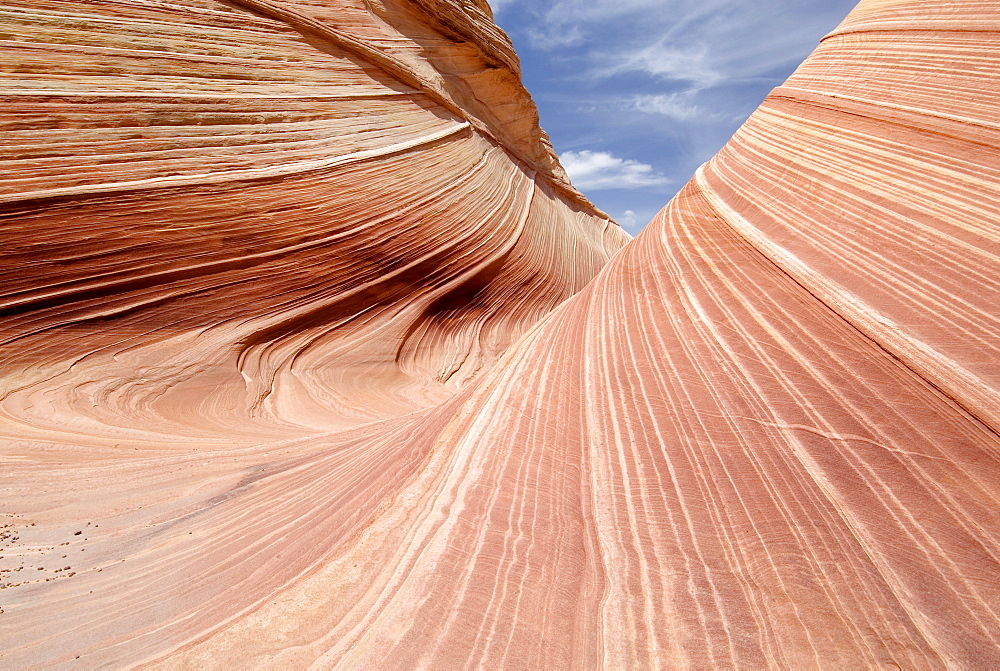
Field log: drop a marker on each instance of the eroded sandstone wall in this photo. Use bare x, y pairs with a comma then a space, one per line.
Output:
764, 435
224, 219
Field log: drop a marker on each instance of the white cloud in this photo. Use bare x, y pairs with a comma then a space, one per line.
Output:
628, 220
632, 221
682, 64
600, 10
677, 106
555, 36
709, 42
593, 170
497, 5
672, 77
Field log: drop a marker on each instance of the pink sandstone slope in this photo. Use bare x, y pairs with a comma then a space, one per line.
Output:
288, 381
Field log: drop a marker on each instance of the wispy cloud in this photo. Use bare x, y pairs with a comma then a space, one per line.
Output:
497, 5
556, 36
644, 91
688, 64
595, 170
600, 10
706, 42
679, 106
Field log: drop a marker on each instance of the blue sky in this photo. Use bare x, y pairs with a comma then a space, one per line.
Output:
636, 94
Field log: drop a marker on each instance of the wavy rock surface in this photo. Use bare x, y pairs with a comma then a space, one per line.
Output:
231, 231
254, 273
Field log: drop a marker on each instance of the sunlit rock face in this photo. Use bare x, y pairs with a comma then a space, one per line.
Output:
268, 219
261, 259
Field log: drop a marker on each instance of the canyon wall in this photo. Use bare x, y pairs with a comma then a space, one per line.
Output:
290, 378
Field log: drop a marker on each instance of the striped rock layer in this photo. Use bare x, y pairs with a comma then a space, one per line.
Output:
285, 383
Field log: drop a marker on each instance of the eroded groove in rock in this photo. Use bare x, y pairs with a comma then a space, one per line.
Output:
286, 416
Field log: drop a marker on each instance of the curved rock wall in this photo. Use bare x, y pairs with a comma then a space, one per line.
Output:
764, 435
215, 219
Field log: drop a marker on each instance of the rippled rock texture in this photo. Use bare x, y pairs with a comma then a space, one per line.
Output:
289, 376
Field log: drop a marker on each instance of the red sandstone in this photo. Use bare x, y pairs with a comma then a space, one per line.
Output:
290, 377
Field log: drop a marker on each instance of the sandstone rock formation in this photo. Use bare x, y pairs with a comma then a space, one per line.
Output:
288, 378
